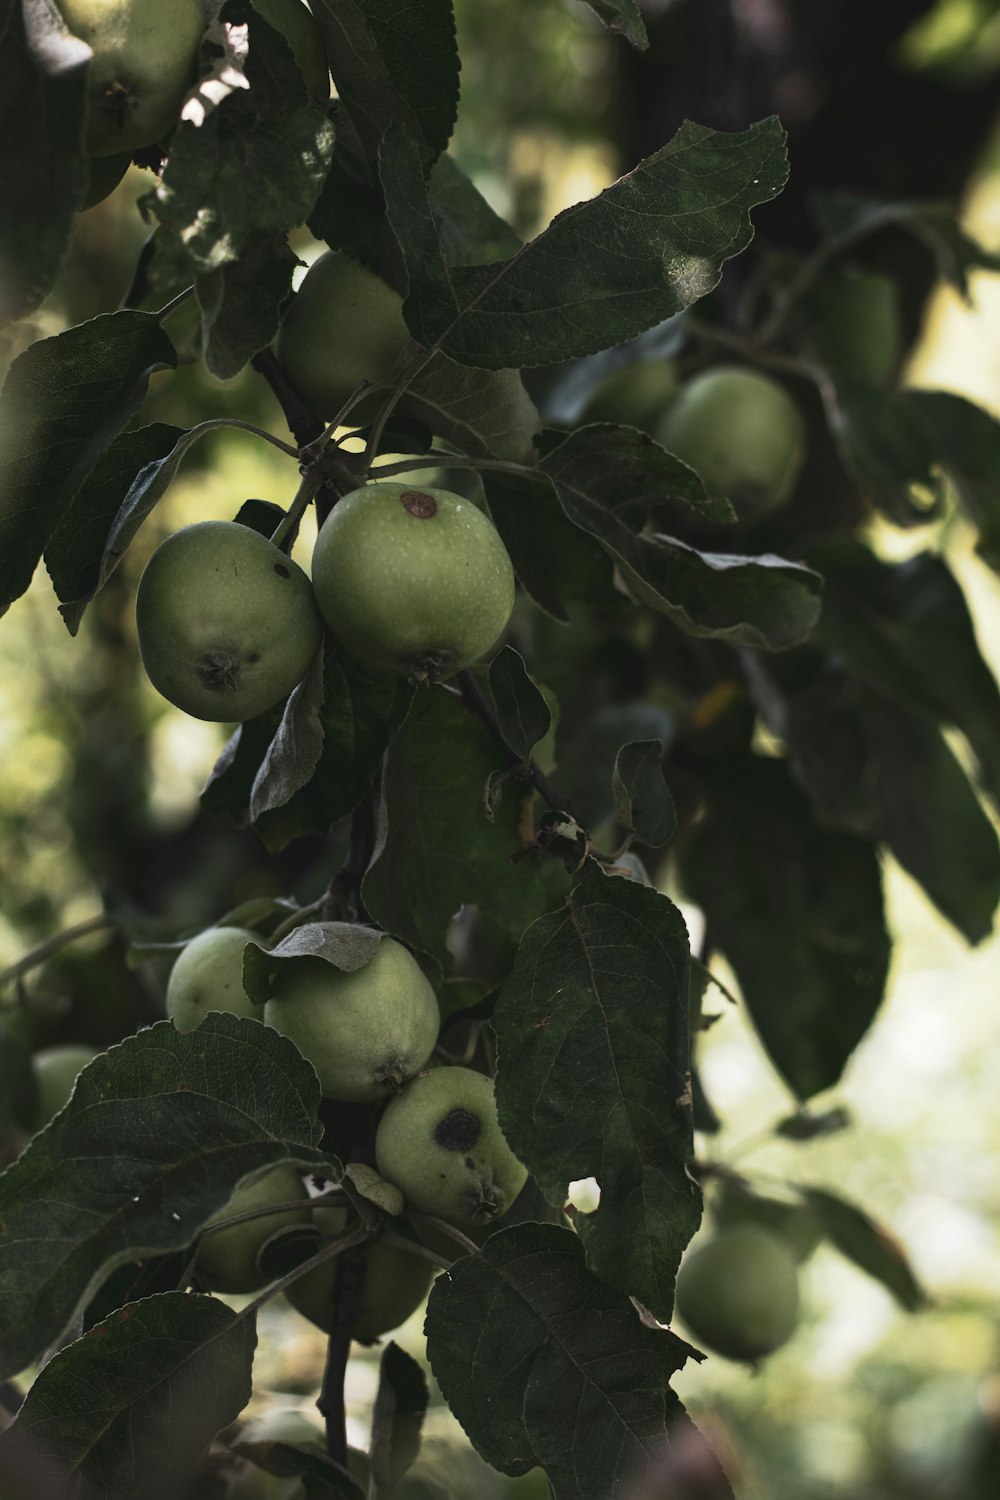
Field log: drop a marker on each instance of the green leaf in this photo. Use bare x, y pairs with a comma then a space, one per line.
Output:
871, 1248
604, 270
484, 413
346, 945
317, 1474
763, 602
132, 1407
267, 133
887, 448
906, 628
43, 171
555, 562
240, 303
846, 218
436, 848
543, 1364
592, 1076
297, 791
73, 555
797, 910
966, 442
471, 232
64, 401
397, 1416
623, 16
394, 63
848, 320
643, 803
157, 1135
521, 710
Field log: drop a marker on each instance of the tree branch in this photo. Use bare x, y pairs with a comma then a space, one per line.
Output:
478, 703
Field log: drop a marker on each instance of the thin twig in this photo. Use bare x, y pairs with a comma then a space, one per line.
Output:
348, 1284
303, 423
175, 303
477, 702
469, 1246
402, 1243
103, 923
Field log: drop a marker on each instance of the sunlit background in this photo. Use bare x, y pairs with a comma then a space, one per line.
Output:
95, 769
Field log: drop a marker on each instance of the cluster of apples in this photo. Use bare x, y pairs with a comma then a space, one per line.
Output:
369, 1034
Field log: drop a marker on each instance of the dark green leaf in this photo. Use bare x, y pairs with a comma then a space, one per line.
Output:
522, 712
555, 562
157, 1135
394, 64
543, 1364
397, 1416
604, 270
43, 172
797, 910
472, 234
845, 218
643, 803
360, 712
484, 413
132, 1407
906, 628
346, 945
889, 451
240, 302
868, 1245
64, 401
966, 442
254, 165
73, 555
229, 786
763, 602
805, 1126
592, 1077
318, 1475
624, 16
436, 848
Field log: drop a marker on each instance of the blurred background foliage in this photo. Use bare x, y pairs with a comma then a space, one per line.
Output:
99, 777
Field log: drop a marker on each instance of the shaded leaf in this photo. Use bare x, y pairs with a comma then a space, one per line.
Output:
240, 302
846, 218
73, 555
318, 1475
604, 270
643, 804
197, 1112
555, 562
484, 413
43, 180
294, 753
436, 848
797, 910
805, 1126
764, 602
161, 1378
966, 441
397, 1416
472, 233
592, 1075
522, 712
64, 401
849, 321
543, 1364
889, 451
346, 945
871, 1248
623, 16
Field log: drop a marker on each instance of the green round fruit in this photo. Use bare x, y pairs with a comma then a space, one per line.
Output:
741, 432
142, 66
56, 1071
208, 976
227, 1261
414, 581
106, 172
440, 1142
297, 25
739, 1293
395, 1284
226, 622
365, 1032
344, 327
635, 395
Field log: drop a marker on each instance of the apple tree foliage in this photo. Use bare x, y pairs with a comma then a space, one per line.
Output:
747, 711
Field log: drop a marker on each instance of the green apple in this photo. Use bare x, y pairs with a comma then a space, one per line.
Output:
440, 1142
635, 395
56, 1071
226, 622
741, 432
106, 172
142, 66
227, 1260
297, 25
365, 1032
343, 328
413, 581
395, 1284
208, 975
739, 1293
